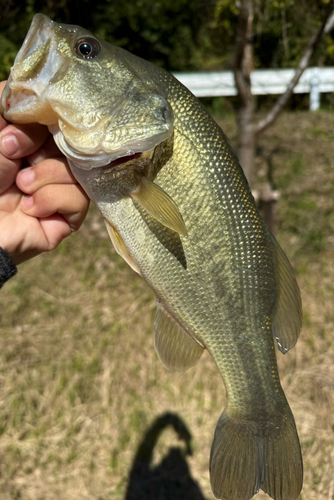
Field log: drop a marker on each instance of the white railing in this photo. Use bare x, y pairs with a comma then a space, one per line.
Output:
313, 81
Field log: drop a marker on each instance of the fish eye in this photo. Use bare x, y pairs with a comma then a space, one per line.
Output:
87, 48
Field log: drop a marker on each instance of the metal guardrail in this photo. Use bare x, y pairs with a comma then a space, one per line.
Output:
313, 81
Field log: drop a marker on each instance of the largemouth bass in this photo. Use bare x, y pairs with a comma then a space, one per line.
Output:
179, 210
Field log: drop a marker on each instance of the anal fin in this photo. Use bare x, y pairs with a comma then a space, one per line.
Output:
159, 204
176, 349
287, 314
119, 246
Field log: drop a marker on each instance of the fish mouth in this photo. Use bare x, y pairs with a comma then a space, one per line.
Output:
22, 104
124, 161
23, 99
20, 97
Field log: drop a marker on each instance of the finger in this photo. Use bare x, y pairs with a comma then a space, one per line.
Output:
67, 200
8, 168
55, 228
17, 141
48, 150
3, 122
8, 172
2, 86
10, 200
52, 171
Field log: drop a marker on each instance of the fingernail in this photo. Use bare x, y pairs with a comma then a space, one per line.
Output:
27, 176
28, 201
10, 144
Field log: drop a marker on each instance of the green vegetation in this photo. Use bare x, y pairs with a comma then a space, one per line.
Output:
182, 35
80, 382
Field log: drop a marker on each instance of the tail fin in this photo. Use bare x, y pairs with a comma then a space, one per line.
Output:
248, 455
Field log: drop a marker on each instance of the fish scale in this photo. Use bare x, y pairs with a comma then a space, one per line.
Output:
179, 210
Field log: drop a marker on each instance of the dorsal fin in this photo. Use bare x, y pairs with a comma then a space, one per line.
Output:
287, 314
120, 246
159, 204
176, 349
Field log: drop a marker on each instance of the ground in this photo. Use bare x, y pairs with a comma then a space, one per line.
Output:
81, 385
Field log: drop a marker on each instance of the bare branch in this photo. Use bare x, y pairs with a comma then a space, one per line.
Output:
325, 26
329, 24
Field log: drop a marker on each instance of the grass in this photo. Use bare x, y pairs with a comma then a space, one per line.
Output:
80, 382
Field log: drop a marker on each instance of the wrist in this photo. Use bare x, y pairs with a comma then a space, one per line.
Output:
6, 243
7, 267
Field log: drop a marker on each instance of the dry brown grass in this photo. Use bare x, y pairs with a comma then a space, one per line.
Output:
80, 382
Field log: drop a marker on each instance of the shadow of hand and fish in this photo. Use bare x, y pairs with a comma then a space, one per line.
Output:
171, 478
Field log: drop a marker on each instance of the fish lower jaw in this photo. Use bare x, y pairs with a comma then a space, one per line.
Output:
97, 159
23, 105
82, 160
19, 102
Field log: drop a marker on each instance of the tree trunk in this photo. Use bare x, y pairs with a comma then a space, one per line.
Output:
248, 130
246, 140
243, 66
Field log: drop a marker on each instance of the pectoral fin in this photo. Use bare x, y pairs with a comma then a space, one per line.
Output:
176, 349
120, 247
287, 314
158, 204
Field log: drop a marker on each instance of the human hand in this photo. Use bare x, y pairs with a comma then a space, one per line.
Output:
39, 205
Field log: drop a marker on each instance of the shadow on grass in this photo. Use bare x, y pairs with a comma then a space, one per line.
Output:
171, 478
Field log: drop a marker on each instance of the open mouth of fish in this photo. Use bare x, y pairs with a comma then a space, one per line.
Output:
122, 161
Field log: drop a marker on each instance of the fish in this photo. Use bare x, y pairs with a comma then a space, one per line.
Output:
179, 210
